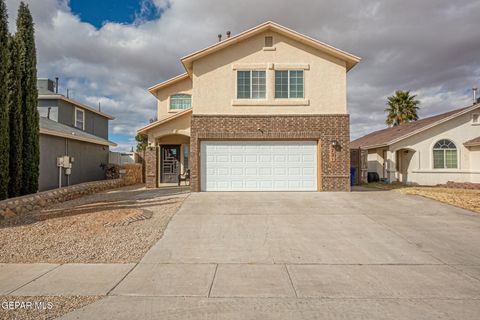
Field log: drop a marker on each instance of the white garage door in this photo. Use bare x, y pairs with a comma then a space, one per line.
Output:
259, 165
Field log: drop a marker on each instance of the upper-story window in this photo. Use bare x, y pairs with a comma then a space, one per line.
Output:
251, 84
180, 101
289, 84
79, 119
444, 155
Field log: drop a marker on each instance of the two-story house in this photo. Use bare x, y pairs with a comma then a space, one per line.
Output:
265, 110
70, 129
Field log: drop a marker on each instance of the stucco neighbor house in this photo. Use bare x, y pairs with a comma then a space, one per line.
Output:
264, 110
70, 129
430, 151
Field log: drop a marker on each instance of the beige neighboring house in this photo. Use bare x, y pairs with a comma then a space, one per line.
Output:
430, 151
264, 110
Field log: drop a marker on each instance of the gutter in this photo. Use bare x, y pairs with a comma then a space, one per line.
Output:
75, 137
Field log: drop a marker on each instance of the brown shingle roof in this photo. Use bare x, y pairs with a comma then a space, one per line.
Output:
386, 136
473, 142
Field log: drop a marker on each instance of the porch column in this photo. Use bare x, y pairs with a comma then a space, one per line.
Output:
151, 165
390, 166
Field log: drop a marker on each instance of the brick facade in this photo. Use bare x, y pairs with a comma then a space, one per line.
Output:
334, 160
151, 167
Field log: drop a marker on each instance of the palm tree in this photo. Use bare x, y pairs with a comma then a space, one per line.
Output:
402, 108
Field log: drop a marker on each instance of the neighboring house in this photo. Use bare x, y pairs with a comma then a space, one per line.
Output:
264, 110
430, 151
69, 128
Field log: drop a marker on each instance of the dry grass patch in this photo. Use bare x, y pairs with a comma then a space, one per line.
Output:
48, 307
463, 198
466, 199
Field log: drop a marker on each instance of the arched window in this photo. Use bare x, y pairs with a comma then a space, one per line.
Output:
180, 101
444, 155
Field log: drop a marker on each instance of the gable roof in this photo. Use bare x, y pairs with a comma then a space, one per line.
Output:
349, 58
385, 137
187, 61
473, 143
163, 120
168, 82
54, 128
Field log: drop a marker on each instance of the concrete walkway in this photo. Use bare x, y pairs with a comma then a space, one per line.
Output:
359, 255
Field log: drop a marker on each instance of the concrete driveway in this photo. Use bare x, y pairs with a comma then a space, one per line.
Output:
359, 255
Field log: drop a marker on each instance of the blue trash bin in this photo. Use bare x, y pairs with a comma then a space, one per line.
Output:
353, 174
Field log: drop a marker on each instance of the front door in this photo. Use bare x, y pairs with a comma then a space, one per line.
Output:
170, 162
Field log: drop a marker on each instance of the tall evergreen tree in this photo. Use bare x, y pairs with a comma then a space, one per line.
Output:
4, 135
25, 38
15, 121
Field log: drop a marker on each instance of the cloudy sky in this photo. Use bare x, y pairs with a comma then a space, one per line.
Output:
111, 51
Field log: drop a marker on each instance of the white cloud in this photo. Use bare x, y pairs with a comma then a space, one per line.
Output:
428, 47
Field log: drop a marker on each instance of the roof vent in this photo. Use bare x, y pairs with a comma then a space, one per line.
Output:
269, 41
219, 37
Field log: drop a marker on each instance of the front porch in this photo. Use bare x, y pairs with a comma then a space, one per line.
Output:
166, 160
168, 151
391, 165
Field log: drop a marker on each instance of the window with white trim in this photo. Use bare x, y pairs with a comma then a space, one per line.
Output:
289, 84
180, 101
79, 119
445, 155
251, 84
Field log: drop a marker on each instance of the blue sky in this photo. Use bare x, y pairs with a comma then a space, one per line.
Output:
97, 12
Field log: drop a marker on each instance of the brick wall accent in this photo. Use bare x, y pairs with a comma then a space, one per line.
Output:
151, 168
335, 161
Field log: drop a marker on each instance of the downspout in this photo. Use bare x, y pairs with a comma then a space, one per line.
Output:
66, 152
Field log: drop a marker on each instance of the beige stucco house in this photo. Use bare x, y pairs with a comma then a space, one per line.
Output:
430, 151
264, 110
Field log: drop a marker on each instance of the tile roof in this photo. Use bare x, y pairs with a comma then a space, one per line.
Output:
51, 127
387, 136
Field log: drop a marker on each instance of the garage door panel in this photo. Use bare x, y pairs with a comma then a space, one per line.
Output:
258, 166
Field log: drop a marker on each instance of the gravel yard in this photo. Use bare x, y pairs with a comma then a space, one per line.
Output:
115, 226
47, 307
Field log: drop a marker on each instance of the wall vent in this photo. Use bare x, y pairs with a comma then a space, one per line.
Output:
269, 41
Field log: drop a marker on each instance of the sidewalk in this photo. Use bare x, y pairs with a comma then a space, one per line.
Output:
42, 279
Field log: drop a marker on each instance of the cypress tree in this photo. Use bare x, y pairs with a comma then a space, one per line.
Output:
4, 135
15, 121
25, 38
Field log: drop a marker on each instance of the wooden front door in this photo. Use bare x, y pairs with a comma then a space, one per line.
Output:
170, 163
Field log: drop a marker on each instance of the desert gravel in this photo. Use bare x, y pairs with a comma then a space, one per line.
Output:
48, 307
116, 226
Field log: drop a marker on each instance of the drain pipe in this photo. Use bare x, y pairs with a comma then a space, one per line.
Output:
59, 177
